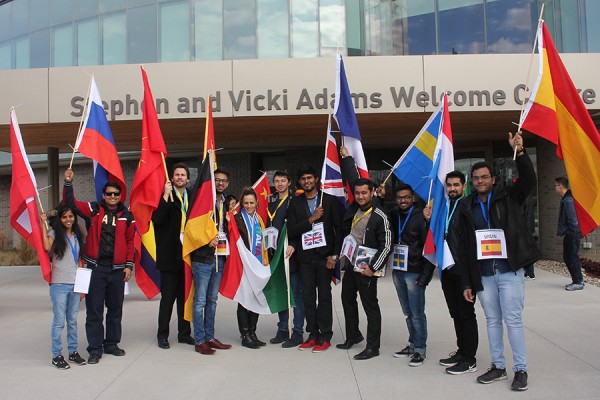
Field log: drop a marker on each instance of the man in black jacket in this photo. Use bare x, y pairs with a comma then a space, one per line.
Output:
314, 222
169, 220
568, 228
412, 273
504, 246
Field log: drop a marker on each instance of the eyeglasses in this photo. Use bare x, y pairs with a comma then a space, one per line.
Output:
111, 194
219, 180
481, 178
404, 198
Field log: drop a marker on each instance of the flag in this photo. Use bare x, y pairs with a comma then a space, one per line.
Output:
263, 192
424, 166
148, 185
95, 141
259, 288
200, 227
491, 247
209, 133
555, 112
343, 112
24, 216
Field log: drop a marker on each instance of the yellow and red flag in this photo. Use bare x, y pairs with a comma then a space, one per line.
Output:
556, 112
209, 133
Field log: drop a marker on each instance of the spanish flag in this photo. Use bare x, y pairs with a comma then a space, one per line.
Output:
200, 228
491, 247
556, 112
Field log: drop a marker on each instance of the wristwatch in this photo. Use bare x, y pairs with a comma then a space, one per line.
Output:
334, 258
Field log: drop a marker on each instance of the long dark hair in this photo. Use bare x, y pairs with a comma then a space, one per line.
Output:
60, 242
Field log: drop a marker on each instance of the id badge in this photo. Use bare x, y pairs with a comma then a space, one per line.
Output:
270, 236
348, 247
399, 258
222, 245
448, 259
491, 243
314, 238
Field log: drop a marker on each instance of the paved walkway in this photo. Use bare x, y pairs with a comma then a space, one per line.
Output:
563, 344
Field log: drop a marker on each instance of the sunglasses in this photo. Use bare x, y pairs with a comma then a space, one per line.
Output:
110, 194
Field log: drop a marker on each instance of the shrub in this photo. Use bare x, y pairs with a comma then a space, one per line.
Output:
27, 255
3, 240
591, 267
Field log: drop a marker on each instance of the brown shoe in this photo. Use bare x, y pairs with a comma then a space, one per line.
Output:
217, 344
204, 348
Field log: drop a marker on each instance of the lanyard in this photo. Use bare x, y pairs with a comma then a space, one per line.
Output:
74, 247
184, 206
485, 215
401, 228
220, 206
315, 207
272, 216
355, 220
254, 234
449, 217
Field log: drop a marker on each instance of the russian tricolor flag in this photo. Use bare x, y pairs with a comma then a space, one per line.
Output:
95, 141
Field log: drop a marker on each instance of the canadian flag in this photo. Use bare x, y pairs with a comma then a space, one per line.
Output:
24, 216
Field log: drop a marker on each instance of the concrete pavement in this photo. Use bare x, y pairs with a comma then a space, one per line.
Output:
562, 330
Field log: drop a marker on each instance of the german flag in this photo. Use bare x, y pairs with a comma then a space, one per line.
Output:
491, 247
200, 228
556, 112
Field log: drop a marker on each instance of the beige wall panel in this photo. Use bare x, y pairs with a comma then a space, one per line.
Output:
27, 91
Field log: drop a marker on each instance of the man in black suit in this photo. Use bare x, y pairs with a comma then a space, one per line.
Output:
314, 223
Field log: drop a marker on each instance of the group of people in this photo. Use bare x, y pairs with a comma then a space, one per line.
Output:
484, 234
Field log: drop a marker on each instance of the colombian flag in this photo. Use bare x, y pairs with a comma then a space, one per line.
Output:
491, 247
556, 112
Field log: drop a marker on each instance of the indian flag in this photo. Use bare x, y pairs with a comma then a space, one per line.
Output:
260, 288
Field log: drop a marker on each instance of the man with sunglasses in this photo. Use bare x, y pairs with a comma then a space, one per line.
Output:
109, 254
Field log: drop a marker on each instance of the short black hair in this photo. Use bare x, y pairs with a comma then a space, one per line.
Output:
112, 184
482, 164
307, 170
230, 197
221, 171
180, 165
282, 173
456, 174
362, 182
405, 186
562, 180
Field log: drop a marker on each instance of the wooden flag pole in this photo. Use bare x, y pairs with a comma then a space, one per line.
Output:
85, 107
37, 196
166, 173
325, 159
286, 263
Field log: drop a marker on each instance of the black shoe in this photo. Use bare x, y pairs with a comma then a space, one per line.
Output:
366, 354
462, 367
116, 351
296, 340
187, 340
492, 375
452, 360
249, 343
520, 381
60, 363
94, 358
349, 343
76, 358
416, 360
255, 339
163, 343
405, 352
280, 337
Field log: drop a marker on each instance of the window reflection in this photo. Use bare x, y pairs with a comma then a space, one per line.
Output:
509, 26
5, 57
239, 27
272, 29
63, 46
40, 15
142, 35
40, 49
208, 27
19, 18
87, 42
305, 28
461, 28
62, 11
332, 20
175, 32
114, 45
22, 53
420, 27
592, 28
5, 21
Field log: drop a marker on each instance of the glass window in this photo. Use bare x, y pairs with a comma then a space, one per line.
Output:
87, 43
39, 14
208, 29
62, 11
461, 28
592, 11
332, 19
135, 3
63, 46
420, 25
142, 40
239, 27
569, 16
305, 28
5, 22
175, 32
111, 5
114, 45
19, 18
40, 49
375, 28
509, 27
354, 28
5, 56
272, 29
22, 53
87, 8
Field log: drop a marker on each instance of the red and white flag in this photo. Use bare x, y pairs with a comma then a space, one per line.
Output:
24, 216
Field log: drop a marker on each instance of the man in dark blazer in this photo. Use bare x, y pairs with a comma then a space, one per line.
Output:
314, 223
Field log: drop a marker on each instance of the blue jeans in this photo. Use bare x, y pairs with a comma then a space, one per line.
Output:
284, 316
412, 300
206, 290
65, 305
502, 298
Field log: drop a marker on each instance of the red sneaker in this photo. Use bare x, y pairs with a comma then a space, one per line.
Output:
321, 347
308, 344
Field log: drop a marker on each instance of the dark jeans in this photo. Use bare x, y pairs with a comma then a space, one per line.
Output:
463, 314
316, 293
106, 288
247, 320
571, 257
353, 283
171, 290
283, 324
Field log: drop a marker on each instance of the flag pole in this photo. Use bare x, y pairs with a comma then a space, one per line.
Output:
37, 196
286, 263
540, 20
209, 153
166, 173
325, 159
85, 107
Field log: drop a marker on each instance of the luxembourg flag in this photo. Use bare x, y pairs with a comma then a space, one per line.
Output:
95, 141
424, 166
343, 112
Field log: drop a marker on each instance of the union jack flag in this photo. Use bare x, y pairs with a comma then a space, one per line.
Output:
313, 239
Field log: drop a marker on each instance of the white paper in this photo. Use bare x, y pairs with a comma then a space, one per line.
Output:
82, 280
314, 238
491, 243
126, 288
348, 247
448, 259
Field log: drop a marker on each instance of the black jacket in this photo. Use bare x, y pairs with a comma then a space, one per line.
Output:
167, 228
278, 221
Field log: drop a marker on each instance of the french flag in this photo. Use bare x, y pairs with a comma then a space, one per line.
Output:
95, 141
343, 112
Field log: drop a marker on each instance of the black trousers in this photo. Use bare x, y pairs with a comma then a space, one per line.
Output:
463, 314
316, 294
247, 320
571, 257
172, 289
353, 283
106, 288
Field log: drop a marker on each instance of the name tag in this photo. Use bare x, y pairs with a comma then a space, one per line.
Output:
270, 236
348, 247
491, 243
314, 238
82, 280
223, 245
399, 258
448, 259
